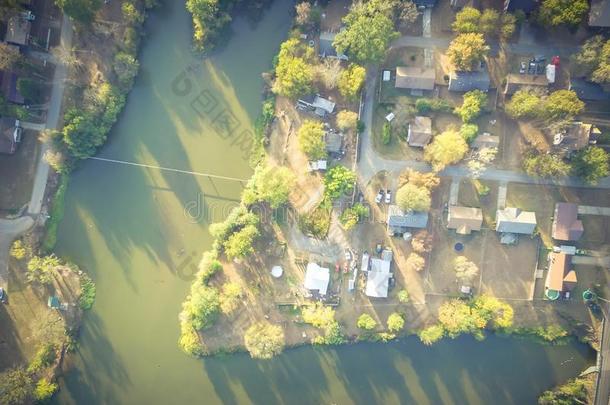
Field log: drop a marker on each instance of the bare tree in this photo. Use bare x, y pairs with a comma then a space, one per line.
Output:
329, 72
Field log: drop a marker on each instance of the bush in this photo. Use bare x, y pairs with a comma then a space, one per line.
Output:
18, 250
201, 306
338, 181
189, 340
469, 132
403, 296
366, 322
264, 340
413, 198
230, 297
576, 391
311, 140
471, 108
44, 390
317, 222
88, 291
395, 322
351, 216
386, 134
431, 334
426, 105
126, 68
44, 357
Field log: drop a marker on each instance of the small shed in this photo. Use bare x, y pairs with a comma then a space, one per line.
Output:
334, 143
420, 131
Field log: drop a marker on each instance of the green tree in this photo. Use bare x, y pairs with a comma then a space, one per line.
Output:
446, 148
264, 340
588, 58
431, 334
16, 387
467, 20
42, 269
347, 120
395, 322
318, 315
366, 322
44, 357
351, 216
524, 104
508, 25
82, 11
269, 184
545, 165
563, 104
311, 140
202, 306
209, 17
208, 266
470, 109
9, 56
413, 198
241, 243
293, 72
368, 33
189, 339
126, 68
403, 296
602, 73
469, 132
338, 181
490, 21
573, 392
44, 390
562, 12
466, 51
351, 81
131, 13
19, 250
591, 164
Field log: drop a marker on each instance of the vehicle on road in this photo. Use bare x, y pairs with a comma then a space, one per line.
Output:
379, 197
523, 68
388, 196
3, 298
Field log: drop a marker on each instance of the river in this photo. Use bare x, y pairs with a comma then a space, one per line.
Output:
139, 232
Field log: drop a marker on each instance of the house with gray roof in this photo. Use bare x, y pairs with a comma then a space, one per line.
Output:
400, 221
515, 221
319, 105
420, 131
378, 278
589, 91
334, 143
415, 78
516, 82
326, 48
467, 81
18, 30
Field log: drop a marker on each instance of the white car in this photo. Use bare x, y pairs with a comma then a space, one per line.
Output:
379, 197
388, 196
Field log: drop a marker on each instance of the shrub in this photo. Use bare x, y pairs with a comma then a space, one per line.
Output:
338, 181
229, 297
201, 306
366, 322
44, 357
403, 296
469, 132
311, 140
264, 340
431, 334
473, 103
395, 322
15, 387
44, 390
18, 250
88, 291
351, 216
126, 68
189, 340
413, 198
386, 134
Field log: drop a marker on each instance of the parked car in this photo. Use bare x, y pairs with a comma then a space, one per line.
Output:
379, 197
18, 132
3, 298
532, 68
348, 255
523, 68
555, 60
539, 59
540, 69
388, 196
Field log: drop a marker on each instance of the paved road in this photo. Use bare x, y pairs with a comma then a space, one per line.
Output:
10, 229
602, 396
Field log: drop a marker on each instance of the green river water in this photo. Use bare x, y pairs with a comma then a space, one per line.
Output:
140, 231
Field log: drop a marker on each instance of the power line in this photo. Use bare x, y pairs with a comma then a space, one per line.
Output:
168, 169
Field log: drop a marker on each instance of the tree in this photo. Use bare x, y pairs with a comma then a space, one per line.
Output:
415, 262
366, 322
395, 322
474, 101
469, 132
413, 198
467, 20
31, 90
368, 33
446, 148
42, 269
508, 25
126, 68
330, 72
82, 11
311, 140
575, 391
602, 72
545, 165
524, 104
241, 243
9, 56
431, 334
189, 339
201, 306
338, 181
563, 104
403, 296
347, 120
466, 51
464, 268
303, 14
591, 164
318, 315
419, 179
562, 12
15, 387
589, 57
490, 21
456, 318
209, 17
293, 73
269, 184
408, 12
19, 250
230, 295
351, 216
131, 14
44, 390
264, 340
351, 81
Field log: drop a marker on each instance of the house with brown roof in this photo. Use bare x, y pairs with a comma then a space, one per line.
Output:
566, 225
464, 219
420, 131
576, 136
415, 78
560, 276
515, 82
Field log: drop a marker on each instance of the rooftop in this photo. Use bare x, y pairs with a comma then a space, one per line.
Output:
560, 276
334, 142
408, 77
576, 136
467, 81
589, 91
516, 82
420, 131
464, 219
316, 278
514, 220
18, 30
327, 50
566, 225
378, 279
398, 219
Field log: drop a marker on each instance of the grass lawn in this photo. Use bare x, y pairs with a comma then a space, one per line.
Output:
18, 173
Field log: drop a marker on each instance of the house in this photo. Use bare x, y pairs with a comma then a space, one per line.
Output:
8, 86
334, 143
10, 134
420, 131
464, 219
561, 277
316, 279
527, 6
415, 78
566, 225
515, 82
458, 4
467, 81
18, 30
399, 221
515, 221
599, 13
316, 165
425, 3
326, 47
576, 136
317, 104
378, 278
485, 140
589, 91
